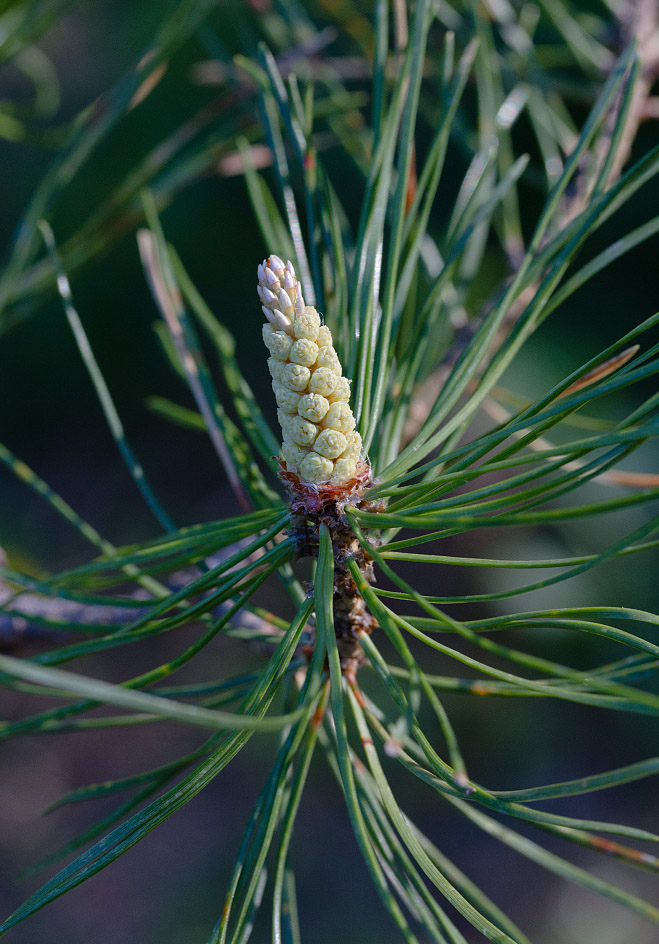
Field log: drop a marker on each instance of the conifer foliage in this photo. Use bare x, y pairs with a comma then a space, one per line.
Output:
391, 337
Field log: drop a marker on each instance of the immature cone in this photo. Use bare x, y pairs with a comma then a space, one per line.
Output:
320, 444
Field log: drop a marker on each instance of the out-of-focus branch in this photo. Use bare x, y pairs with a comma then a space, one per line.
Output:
637, 20
22, 612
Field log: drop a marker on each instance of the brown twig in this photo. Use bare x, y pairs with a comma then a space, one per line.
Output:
312, 506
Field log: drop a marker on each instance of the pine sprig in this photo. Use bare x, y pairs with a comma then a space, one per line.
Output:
349, 673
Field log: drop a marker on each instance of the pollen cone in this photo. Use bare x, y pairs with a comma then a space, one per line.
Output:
320, 444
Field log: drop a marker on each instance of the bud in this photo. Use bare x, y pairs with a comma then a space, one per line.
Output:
319, 442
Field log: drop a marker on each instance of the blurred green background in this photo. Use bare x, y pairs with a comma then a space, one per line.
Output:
170, 888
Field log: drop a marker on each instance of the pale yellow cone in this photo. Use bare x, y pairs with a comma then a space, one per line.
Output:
320, 444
